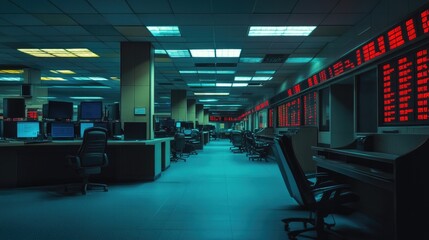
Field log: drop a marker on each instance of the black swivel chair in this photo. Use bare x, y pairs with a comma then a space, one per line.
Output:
321, 200
90, 158
178, 145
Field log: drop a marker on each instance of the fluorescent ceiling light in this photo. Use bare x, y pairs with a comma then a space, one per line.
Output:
280, 30
228, 52
206, 72
178, 53
208, 100
58, 52
212, 94
164, 97
46, 97
225, 72
242, 78
261, 78
202, 52
164, 31
87, 97
10, 79
201, 84
240, 84
222, 105
86, 87
11, 71
160, 51
115, 78
299, 60
266, 72
188, 72
90, 78
223, 84
52, 79
208, 80
250, 60
62, 71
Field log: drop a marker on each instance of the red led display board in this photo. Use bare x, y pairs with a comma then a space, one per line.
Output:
32, 114
412, 28
223, 119
403, 84
289, 113
310, 109
270, 117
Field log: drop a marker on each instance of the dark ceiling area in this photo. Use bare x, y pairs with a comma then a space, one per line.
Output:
264, 66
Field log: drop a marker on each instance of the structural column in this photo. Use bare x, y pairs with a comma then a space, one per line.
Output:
191, 111
199, 113
31, 88
137, 84
206, 116
179, 105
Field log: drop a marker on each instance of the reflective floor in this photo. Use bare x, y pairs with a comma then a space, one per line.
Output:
216, 194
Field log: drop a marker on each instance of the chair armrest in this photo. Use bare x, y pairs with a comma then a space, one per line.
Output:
105, 160
73, 161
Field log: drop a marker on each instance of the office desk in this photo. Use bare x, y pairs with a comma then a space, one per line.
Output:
43, 164
390, 178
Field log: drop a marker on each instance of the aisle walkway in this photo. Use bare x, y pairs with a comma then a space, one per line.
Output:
213, 195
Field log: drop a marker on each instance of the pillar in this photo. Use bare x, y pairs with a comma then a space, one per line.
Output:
191, 110
179, 105
206, 116
37, 95
199, 113
137, 84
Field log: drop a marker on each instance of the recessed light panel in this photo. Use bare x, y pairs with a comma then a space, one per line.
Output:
280, 30
164, 31
202, 52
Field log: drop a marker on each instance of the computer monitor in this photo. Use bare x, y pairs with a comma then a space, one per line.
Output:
91, 110
13, 108
9, 129
187, 132
134, 130
62, 130
25, 130
60, 110
178, 124
83, 126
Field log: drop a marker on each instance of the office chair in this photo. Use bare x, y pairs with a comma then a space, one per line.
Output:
90, 157
320, 199
237, 142
178, 146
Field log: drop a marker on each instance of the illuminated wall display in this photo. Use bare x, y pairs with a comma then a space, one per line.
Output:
404, 94
310, 109
414, 27
270, 117
223, 119
289, 114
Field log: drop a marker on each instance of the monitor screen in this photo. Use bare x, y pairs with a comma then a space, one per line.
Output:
83, 126
187, 132
62, 130
27, 129
60, 110
91, 110
178, 124
134, 130
13, 108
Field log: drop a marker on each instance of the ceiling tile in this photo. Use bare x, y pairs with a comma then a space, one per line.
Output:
110, 6
10, 7
55, 19
13, 31
150, 6
89, 19
329, 31
75, 6
122, 19
21, 19
102, 30
236, 6
42, 6
189, 19
157, 19
274, 6
132, 31
72, 30
343, 19
361, 6
305, 19
311, 6
268, 19
190, 6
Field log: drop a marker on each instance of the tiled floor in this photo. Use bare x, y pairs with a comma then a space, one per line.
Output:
213, 195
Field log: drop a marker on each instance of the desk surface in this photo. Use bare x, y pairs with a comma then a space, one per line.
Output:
377, 156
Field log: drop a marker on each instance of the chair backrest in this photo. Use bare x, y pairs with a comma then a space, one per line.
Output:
93, 148
293, 175
237, 138
179, 141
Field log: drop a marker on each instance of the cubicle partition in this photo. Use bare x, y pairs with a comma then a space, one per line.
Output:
45, 164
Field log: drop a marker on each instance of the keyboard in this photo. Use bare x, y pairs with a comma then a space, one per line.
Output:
37, 141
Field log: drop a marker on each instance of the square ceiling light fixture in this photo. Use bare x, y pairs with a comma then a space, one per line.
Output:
59, 52
266, 31
164, 31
